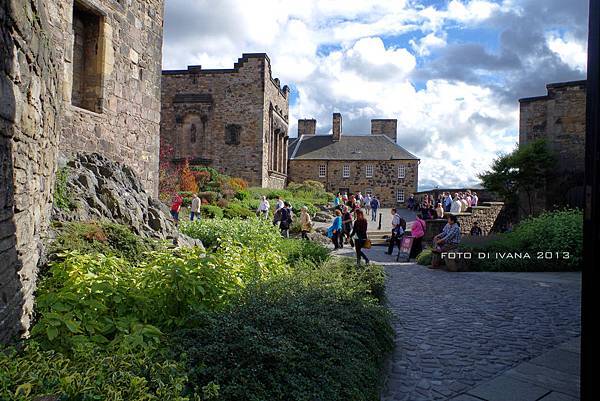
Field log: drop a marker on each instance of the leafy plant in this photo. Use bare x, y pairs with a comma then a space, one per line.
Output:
61, 193
553, 240
210, 211
424, 258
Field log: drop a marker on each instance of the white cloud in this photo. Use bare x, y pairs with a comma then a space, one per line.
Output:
570, 51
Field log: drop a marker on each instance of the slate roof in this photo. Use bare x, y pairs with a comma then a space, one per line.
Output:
349, 147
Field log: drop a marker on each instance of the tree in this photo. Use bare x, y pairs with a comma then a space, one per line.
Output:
187, 179
520, 173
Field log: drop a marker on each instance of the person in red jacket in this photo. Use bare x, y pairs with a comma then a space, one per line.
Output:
176, 203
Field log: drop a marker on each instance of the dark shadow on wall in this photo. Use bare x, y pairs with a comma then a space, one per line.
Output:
11, 294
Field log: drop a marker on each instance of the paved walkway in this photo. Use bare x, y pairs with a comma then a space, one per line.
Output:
386, 220
481, 336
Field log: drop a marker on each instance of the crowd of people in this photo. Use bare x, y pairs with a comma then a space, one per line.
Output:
435, 208
350, 225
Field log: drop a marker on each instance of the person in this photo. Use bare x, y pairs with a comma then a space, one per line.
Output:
359, 197
345, 197
374, 207
263, 207
367, 204
280, 203
439, 211
305, 222
398, 228
456, 205
447, 201
476, 230
176, 203
285, 220
417, 231
346, 224
360, 231
337, 201
195, 208
449, 238
335, 230
474, 199
410, 203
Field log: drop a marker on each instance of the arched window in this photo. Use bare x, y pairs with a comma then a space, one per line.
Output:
193, 133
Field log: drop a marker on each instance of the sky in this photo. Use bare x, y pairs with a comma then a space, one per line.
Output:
451, 72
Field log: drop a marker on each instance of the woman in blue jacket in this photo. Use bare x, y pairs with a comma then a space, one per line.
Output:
335, 231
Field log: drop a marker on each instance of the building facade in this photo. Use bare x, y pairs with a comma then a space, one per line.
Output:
373, 163
234, 120
75, 76
559, 118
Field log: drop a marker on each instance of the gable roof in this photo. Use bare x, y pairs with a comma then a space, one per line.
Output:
349, 147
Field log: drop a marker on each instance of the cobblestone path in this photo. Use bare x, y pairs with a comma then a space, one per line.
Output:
457, 330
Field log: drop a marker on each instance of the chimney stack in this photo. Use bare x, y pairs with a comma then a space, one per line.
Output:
337, 126
387, 127
307, 127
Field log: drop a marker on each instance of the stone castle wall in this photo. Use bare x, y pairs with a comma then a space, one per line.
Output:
121, 117
234, 120
29, 134
558, 117
77, 76
384, 183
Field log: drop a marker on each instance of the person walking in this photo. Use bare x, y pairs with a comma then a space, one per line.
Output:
305, 222
335, 230
195, 209
360, 231
280, 203
367, 203
176, 202
417, 231
263, 207
374, 206
398, 228
286, 220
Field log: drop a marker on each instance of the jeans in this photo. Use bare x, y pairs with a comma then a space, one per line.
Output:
395, 240
358, 244
175, 215
374, 215
194, 215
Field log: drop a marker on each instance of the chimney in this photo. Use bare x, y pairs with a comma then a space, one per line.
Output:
307, 127
337, 126
387, 127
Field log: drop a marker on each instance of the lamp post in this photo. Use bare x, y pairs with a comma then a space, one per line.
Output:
591, 224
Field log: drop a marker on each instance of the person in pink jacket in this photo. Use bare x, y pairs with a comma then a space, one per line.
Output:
417, 231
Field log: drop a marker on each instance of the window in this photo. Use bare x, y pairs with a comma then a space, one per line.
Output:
346, 172
401, 171
400, 196
322, 170
88, 66
369, 192
369, 171
232, 134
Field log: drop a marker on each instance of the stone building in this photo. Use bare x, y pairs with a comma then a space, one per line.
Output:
372, 163
559, 118
75, 76
234, 120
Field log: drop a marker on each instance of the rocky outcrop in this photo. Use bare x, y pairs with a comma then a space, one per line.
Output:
97, 188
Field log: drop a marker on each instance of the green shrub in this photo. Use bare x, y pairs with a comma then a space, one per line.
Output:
237, 211
296, 250
212, 212
559, 233
291, 338
101, 237
424, 258
89, 375
209, 196
62, 200
242, 194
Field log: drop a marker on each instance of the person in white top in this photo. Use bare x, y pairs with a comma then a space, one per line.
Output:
367, 204
456, 205
280, 203
263, 207
464, 205
474, 199
195, 209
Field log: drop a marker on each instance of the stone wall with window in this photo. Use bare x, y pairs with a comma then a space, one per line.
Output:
234, 120
384, 181
110, 60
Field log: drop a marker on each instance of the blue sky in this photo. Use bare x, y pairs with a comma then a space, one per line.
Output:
451, 72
